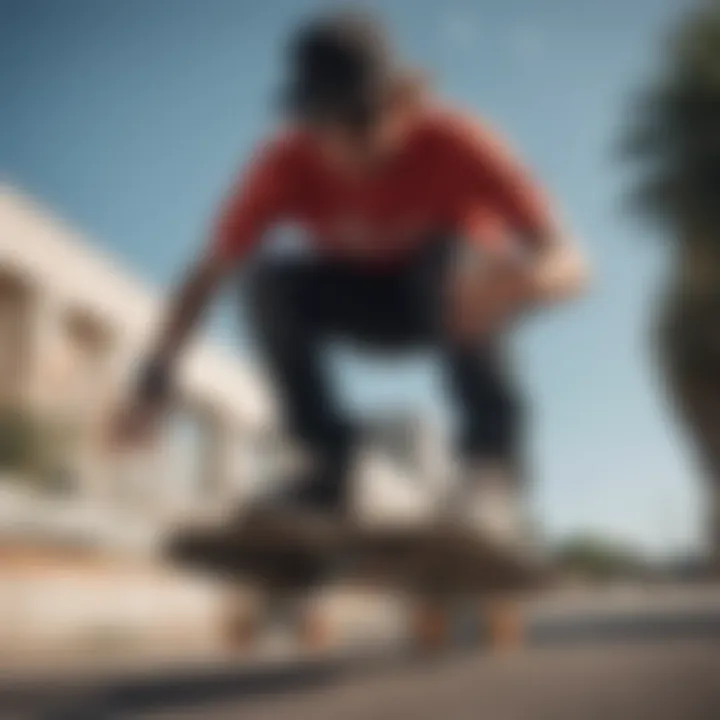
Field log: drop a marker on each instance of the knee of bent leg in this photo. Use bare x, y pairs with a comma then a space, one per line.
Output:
495, 427
510, 409
500, 410
270, 294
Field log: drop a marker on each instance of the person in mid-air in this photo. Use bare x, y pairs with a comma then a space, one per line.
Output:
426, 233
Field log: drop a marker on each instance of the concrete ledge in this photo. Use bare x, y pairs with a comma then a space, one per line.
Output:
54, 597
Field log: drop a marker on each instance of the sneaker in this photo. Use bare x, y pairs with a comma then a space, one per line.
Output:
387, 494
487, 502
314, 497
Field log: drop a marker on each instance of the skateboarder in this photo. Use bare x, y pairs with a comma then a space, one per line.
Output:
425, 233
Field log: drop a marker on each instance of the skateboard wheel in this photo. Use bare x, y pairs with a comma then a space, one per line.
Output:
504, 623
315, 632
431, 627
240, 631
241, 622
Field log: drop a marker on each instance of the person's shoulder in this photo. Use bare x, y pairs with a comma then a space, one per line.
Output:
286, 145
457, 129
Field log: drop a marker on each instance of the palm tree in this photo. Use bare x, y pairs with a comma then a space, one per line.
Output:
676, 140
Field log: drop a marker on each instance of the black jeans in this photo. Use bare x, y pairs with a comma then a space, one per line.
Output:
299, 304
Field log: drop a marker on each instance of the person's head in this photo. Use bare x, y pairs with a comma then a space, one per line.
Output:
344, 83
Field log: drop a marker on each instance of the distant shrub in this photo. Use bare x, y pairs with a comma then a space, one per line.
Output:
598, 558
35, 450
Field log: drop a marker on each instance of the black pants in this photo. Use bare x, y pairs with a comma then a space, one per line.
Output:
299, 304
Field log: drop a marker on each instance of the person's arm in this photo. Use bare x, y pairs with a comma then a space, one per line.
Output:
184, 312
253, 204
191, 298
559, 271
555, 269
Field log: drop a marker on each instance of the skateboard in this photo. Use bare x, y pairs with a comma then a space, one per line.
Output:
447, 573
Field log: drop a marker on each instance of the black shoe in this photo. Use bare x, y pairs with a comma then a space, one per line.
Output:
313, 501
312, 493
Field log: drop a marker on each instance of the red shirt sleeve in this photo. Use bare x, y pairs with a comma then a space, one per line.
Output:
258, 199
500, 193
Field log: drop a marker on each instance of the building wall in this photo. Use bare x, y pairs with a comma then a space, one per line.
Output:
72, 323
77, 322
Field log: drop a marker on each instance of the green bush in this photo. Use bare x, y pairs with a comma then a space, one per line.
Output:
35, 450
19, 441
598, 558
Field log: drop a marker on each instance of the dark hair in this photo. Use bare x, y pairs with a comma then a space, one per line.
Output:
340, 70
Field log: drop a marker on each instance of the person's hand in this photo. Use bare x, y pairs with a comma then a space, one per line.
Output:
485, 295
137, 423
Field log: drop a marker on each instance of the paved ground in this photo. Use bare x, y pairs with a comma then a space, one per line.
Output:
653, 656
677, 681
643, 680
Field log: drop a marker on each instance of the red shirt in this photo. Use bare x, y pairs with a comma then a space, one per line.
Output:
449, 175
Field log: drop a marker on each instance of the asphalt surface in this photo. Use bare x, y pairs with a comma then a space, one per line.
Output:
654, 656
678, 681
662, 680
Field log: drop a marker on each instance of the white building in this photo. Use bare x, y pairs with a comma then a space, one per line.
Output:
71, 325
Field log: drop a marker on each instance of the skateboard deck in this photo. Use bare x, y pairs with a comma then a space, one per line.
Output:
295, 552
436, 564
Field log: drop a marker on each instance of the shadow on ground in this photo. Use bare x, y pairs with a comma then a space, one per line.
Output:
192, 687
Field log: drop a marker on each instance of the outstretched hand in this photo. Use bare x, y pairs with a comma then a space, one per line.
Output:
483, 297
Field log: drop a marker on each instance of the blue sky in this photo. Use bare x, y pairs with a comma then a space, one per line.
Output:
129, 118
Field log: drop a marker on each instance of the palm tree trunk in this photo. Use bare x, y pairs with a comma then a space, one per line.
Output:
709, 455
689, 344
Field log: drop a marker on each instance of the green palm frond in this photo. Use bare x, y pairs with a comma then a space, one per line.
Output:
674, 135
